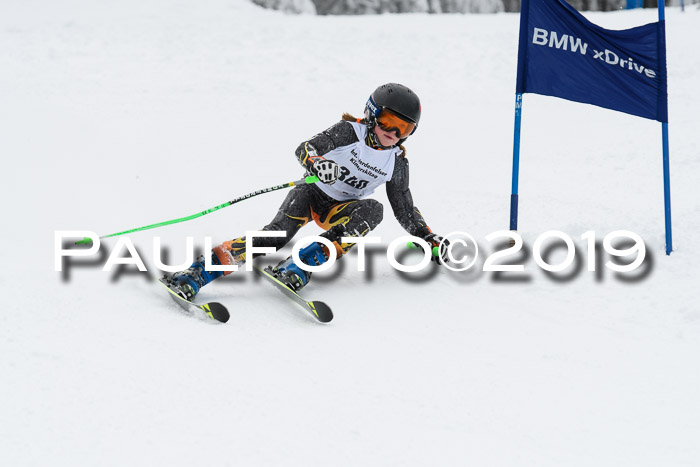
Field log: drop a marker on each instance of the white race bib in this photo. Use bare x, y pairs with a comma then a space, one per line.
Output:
362, 169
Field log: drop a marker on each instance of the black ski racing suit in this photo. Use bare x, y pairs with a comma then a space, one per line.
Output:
352, 218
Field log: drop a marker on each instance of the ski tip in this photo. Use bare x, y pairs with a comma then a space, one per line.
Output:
322, 311
217, 311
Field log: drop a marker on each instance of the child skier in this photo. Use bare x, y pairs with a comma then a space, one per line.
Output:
352, 158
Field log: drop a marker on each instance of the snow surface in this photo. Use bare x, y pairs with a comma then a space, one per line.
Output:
120, 114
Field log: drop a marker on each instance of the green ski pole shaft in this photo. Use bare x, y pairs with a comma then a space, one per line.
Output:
413, 246
304, 181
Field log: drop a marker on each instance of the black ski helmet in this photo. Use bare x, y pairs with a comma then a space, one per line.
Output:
397, 98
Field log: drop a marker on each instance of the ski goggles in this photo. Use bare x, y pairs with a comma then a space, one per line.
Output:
390, 122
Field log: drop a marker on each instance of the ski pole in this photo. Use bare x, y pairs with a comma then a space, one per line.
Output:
304, 181
413, 246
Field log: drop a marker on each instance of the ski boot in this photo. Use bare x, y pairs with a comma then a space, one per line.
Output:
291, 275
188, 282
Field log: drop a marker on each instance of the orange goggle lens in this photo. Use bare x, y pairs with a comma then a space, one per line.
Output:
388, 121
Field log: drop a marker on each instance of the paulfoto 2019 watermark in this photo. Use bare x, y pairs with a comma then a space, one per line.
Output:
459, 248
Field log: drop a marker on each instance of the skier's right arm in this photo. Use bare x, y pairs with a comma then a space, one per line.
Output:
310, 153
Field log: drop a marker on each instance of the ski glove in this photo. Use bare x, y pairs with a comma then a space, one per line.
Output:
438, 241
326, 171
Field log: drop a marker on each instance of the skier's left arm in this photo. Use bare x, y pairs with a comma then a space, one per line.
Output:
407, 213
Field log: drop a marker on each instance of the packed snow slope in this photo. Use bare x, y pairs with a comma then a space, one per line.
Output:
116, 115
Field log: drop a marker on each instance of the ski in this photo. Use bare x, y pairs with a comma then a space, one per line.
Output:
209, 311
319, 310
